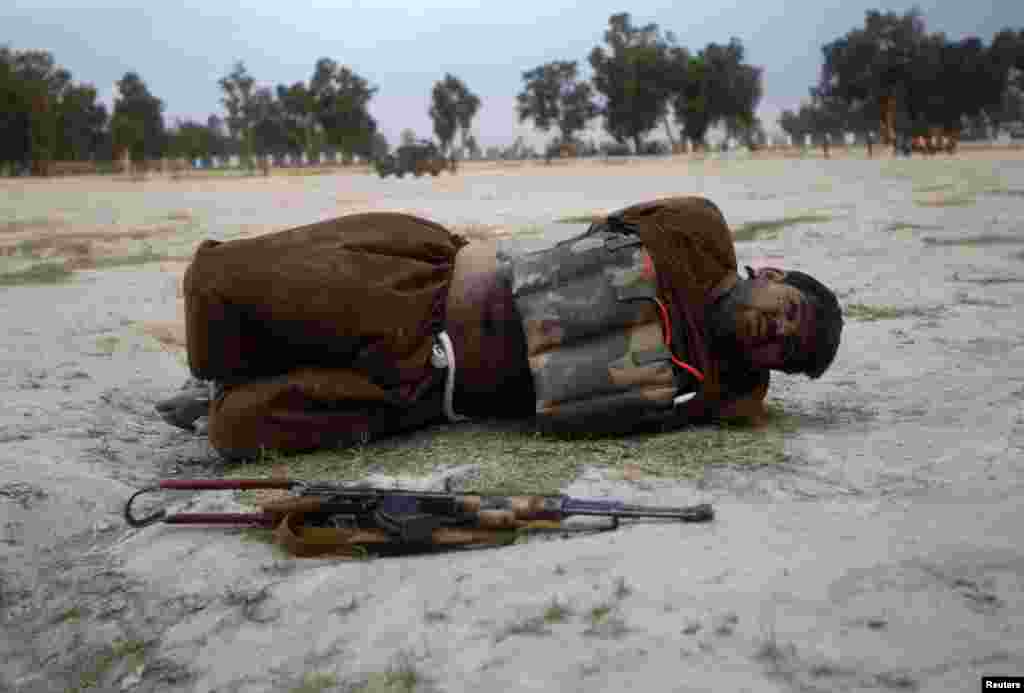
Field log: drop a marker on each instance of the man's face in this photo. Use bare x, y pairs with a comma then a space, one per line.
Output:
767, 320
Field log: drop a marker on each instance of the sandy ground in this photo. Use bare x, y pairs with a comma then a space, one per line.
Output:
885, 554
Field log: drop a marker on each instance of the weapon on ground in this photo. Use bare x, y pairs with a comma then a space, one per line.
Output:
323, 518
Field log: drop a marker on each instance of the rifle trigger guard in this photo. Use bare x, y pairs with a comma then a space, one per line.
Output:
145, 521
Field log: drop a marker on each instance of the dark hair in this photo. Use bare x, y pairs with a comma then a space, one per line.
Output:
827, 326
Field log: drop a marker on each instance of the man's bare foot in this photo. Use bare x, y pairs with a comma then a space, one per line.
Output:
184, 408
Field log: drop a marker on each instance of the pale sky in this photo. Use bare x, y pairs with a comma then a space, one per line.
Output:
182, 48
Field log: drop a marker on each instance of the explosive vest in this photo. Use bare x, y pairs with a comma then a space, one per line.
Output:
596, 334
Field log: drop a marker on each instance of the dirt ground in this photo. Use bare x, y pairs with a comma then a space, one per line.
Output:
884, 551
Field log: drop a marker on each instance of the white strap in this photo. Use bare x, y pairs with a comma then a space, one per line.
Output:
444, 356
683, 399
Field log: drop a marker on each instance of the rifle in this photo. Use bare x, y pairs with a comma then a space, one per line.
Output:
325, 518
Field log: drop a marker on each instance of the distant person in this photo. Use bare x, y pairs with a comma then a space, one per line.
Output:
359, 327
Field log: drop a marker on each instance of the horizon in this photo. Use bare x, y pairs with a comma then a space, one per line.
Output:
489, 49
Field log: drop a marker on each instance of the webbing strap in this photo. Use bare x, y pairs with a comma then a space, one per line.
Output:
444, 357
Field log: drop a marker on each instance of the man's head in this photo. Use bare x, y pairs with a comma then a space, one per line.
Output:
779, 320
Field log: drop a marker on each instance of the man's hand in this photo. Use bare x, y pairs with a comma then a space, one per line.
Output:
750, 409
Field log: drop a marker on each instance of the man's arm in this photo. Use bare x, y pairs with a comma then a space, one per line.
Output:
749, 407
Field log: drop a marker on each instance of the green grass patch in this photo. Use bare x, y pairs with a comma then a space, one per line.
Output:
133, 651
581, 219
72, 615
107, 345
600, 613
260, 535
1009, 192
402, 677
18, 226
42, 273
961, 200
606, 622
869, 313
513, 458
316, 683
768, 229
146, 256
533, 230
557, 612
906, 226
980, 240
937, 187
301, 171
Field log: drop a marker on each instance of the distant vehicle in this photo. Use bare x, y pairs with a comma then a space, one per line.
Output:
419, 158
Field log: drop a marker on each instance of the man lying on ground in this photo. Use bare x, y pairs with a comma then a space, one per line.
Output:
362, 326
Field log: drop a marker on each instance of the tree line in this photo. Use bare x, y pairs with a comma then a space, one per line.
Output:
892, 75
641, 77
642, 80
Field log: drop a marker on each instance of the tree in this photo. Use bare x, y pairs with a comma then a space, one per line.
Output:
442, 112
715, 85
217, 143
632, 76
466, 106
14, 113
553, 96
298, 110
380, 147
472, 148
453, 107
80, 124
32, 91
138, 122
797, 124
189, 140
238, 88
269, 132
870, 67
931, 81
341, 101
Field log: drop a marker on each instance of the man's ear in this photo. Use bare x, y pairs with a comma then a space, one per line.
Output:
772, 274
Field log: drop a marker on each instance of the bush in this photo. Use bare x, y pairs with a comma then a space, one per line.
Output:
615, 149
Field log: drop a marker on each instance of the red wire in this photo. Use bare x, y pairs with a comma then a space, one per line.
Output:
666, 334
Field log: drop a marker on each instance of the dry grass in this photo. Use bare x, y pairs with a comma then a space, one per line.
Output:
938, 187
533, 625
401, 677
869, 313
581, 219
980, 240
316, 683
42, 273
1009, 192
957, 200
906, 226
514, 459
761, 230
557, 612
58, 255
34, 224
